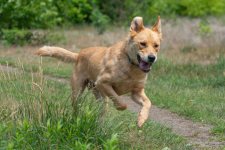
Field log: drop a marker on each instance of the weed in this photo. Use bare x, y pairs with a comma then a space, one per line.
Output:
23, 136
110, 144
204, 29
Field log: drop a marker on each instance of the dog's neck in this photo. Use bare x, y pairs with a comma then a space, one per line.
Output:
124, 52
124, 47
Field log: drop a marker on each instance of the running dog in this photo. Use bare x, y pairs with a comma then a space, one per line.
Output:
116, 70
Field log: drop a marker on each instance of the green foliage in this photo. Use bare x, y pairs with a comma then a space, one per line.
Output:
99, 20
110, 144
28, 14
195, 8
15, 36
73, 11
204, 29
27, 37
23, 135
133, 8
4, 128
113, 9
33, 14
191, 8
126, 10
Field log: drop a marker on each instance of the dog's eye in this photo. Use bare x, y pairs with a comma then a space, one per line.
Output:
156, 45
143, 44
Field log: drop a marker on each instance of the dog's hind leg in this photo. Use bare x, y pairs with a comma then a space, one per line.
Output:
140, 98
96, 93
100, 96
78, 84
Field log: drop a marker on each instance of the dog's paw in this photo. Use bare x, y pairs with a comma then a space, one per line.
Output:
141, 120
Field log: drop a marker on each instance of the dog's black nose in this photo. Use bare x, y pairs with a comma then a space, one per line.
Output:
151, 58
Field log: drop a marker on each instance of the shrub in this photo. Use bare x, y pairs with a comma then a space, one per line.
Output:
43, 14
15, 36
33, 14
73, 11
28, 14
99, 20
27, 37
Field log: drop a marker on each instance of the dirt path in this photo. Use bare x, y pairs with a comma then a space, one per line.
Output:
197, 133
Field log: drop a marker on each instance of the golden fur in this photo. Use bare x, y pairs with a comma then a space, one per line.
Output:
109, 70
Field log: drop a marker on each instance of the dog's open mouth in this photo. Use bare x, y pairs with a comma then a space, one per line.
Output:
144, 66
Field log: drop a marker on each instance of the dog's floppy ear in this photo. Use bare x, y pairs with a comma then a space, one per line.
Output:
157, 26
136, 26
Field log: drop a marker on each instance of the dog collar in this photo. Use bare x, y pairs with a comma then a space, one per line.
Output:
132, 61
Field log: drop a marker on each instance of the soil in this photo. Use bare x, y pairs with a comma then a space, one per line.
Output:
198, 134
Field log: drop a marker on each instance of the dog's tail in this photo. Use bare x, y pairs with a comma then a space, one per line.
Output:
59, 53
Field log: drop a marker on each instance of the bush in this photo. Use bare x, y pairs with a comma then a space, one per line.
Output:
15, 36
33, 14
27, 37
124, 11
191, 8
173, 8
73, 11
99, 20
28, 14
113, 9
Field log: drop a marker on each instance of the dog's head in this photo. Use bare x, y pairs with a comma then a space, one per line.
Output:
143, 43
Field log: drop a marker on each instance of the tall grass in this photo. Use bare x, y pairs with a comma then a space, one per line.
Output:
36, 113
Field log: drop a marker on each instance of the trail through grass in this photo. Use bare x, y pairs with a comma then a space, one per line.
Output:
192, 90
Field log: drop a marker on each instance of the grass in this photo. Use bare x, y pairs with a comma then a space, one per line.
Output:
36, 113
192, 90
51, 67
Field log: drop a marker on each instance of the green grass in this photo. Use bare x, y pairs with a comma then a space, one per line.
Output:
36, 113
51, 66
192, 90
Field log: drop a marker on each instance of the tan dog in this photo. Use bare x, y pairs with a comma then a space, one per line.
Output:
116, 70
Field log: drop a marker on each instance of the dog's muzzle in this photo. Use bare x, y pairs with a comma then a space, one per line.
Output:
143, 65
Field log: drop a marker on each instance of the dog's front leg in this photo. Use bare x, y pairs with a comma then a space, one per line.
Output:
108, 90
139, 97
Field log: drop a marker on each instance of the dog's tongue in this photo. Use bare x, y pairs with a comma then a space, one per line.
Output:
144, 66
